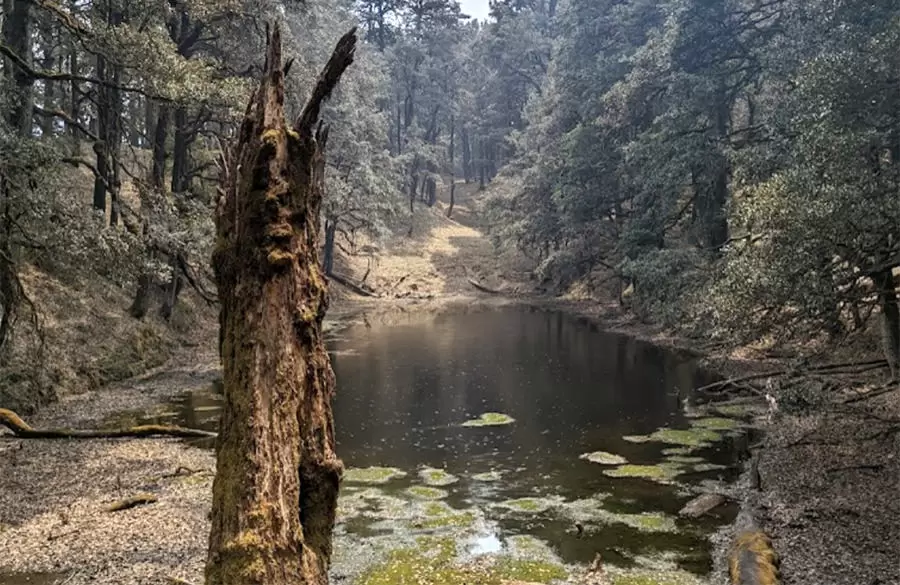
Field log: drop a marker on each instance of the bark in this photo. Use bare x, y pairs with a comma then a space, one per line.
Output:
277, 479
890, 318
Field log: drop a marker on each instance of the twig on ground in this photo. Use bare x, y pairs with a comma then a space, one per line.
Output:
132, 502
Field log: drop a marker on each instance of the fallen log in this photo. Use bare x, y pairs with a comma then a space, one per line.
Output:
354, 287
23, 430
482, 287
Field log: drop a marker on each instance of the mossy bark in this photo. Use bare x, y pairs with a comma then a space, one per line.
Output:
277, 479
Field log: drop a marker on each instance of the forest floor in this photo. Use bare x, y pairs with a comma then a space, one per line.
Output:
830, 477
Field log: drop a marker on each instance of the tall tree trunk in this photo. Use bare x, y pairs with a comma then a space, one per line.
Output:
180, 151
277, 474
890, 318
17, 35
49, 97
467, 155
330, 232
160, 132
482, 178
452, 166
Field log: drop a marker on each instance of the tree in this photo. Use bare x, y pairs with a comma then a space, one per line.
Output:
276, 486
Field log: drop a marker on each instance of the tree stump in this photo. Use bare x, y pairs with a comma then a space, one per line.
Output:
276, 485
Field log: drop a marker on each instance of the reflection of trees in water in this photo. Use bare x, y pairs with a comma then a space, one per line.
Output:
416, 383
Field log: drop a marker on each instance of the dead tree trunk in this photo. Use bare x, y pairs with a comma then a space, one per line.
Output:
890, 318
277, 478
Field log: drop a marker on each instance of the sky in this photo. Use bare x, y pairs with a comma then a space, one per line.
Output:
475, 8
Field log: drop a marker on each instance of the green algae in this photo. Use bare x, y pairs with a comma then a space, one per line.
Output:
440, 515
425, 492
670, 451
529, 546
437, 477
530, 505
686, 459
432, 562
372, 475
591, 511
490, 419
488, 476
716, 423
637, 438
695, 437
604, 458
661, 473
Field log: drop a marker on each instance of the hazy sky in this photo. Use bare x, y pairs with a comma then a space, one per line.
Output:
475, 8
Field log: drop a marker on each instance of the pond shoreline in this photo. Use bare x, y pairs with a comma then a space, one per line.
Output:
44, 520
822, 530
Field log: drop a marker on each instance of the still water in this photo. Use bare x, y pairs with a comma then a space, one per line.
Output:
405, 388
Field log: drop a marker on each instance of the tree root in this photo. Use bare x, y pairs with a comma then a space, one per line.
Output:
23, 430
132, 502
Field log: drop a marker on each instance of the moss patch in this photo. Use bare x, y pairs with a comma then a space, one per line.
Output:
661, 473
437, 477
422, 492
372, 475
530, 571
604, 458
490, 419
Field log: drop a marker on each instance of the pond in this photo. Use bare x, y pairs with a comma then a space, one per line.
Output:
519, 433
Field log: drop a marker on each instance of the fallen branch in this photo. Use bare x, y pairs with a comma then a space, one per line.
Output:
886, 389
863, 366
870, 467
482, 287
23, 430
132, 502
354, 287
